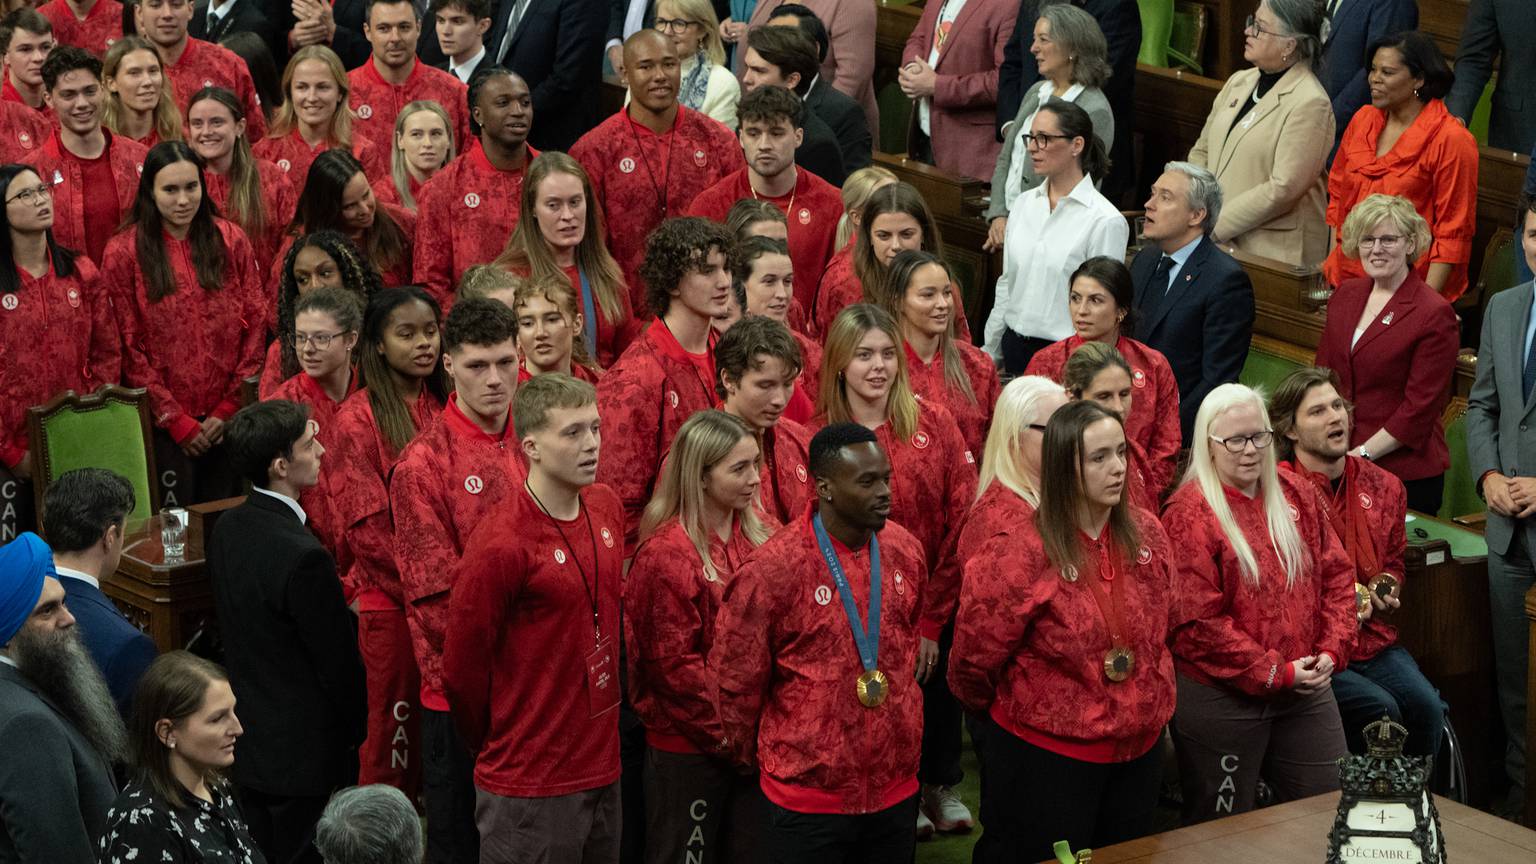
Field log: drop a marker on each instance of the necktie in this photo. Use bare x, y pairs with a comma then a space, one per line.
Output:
518, 8
1160, 277
1528, 376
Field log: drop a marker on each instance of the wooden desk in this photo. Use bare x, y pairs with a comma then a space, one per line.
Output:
1442, 20
1171, 107
169, 601
1297, 833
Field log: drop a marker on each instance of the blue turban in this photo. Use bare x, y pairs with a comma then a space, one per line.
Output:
24, 562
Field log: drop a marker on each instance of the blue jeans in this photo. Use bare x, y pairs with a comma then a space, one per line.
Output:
1390, 683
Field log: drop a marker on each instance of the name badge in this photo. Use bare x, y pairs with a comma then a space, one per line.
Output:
603, 678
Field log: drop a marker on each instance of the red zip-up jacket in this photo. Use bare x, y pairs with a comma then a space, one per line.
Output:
644, 400
973, 416
446, 482
787, 664
360, 463
465, 214
670, 605
640, 179
376, 103
802, 405
515, 660
23, 132
318, 500
205, 64
1226, 632
1154, 420
278, 198
59, 334
1030, 645
394, 277
193, 348
785, 487
840, 288
62, 172
101, 26
997, 510
293, 155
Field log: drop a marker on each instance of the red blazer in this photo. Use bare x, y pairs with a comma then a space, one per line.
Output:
964, 118
1399, 374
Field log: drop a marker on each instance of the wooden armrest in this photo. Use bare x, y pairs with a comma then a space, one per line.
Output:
1472, 520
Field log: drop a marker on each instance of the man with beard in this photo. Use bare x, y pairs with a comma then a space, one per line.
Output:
467, 210
59, 730
393, 77
785, 57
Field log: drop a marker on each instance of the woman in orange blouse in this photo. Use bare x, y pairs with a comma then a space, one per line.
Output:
1406, 143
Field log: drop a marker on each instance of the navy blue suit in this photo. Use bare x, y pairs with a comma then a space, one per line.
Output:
1355, 25
122, 651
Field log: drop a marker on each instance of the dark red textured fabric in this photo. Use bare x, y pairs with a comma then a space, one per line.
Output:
1228, 633
515, 660
640, 178
802, 405
319, 500
360, 462
65, 173
101, 26
446, 482
644, 399
293, 155
99, 209
812, 210
398, 275
376, 102
204, 64
466, 213
974, 416
785, 487
997, 510
193, 348
23, 132
71, 320
1377, 497
271, 370
670, 605
278, 198
1154, 420
384, 189
1030, 645
840, 288
787, 664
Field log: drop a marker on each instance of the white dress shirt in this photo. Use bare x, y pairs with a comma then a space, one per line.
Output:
463, 70
78, 574
1040, 250
292, 504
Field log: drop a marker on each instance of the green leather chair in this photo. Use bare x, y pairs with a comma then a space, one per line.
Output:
1156, 28
1460, 486
1264, 371
1481, 112
106, 429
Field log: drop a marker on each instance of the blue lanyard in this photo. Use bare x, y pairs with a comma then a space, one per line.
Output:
589, 310
867, 640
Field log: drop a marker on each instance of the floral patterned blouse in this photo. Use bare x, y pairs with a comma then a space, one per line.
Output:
144, 829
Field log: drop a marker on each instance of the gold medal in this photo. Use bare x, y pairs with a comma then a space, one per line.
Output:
1119, 663
1362, 601
872, 688
1383, 585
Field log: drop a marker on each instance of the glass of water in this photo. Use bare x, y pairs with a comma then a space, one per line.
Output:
173, 533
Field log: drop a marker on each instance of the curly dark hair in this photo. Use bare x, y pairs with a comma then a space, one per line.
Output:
770, 102
68, 58
676, 248
357, 276
478, 321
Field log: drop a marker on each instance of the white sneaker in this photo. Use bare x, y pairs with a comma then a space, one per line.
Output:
924, 824
945, 810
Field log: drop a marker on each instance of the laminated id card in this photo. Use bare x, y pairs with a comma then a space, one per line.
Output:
603, 678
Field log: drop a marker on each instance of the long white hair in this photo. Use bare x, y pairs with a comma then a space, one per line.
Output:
1002, 460
1283, 536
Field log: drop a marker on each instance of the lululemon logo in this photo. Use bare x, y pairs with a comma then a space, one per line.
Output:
1365, 501
365, 111
607, 538
559, 556
627, 165
969, 459
284, 164
800, 473
1295, 514
920, 440
9, 302
672, 398
1144, 556
1069, 573
73, 296
1139, 378
901, 587
804, 216
473, 484
471, 200
26, 140
700, 158
823, 595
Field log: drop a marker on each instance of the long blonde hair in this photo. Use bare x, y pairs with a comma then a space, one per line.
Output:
399, 173
848, 328
528, 251
287, 119
166, 116
856, 191
1283, 536
1002, 460
704, 439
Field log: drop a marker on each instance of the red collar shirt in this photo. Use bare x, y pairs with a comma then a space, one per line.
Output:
640, 178
67, 176
447, 481
973, 415
786, 663
293, 155
205, 64
1366, 508
515, 662
71, 319
278, 198
194, 348
1031, 640
1225, 632
812, 210
376, 102
465, 214
23, 132
96, 32
318, 500
360, 460
644, 399
1154, 420
10, 95
670, 605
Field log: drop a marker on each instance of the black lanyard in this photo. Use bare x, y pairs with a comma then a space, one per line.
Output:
592, 595
665, 186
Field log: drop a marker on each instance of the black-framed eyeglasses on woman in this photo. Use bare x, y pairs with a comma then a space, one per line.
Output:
1239, 443
34, 196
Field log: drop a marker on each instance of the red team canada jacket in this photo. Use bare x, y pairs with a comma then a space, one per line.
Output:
1154, 420
191, 372
59, 334
446, 482
376, 102
785, 487
278, 198
670, 605
1230, 634
973, 416
787, 665
317, 500
293, 155
515, 660
840, 288
641, 178
465, 214
61, 171
204, 64
398, 275
23, 132
102, 26
1030, 642
802, 405
996, 511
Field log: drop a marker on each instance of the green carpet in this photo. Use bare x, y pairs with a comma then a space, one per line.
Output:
956, 848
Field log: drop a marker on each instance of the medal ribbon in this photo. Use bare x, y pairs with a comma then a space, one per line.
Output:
588, 309
867, 640
1112, 608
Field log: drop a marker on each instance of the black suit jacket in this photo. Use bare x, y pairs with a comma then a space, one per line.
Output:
558, 49
349, 43
819, 152
245, 16
845, 117
55, 786
485, 63
1203, 324
290, 644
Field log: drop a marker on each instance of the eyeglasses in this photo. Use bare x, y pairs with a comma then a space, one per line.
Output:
673, 25
1042, 140
1239, 443
1385, 241
34, 196
321, 341
1252, 23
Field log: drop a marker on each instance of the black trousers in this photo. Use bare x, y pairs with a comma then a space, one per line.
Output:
699, 808
883, 837
186, 480
1425, 495
940, 762
16, 507
283, 826
632, 752
448, 786
1017, 351
1032, 798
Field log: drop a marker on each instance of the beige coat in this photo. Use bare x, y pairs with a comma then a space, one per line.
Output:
1271, 166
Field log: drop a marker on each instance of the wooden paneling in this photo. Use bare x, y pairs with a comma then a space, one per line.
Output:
1443, 20
1224, 36
1171, 107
